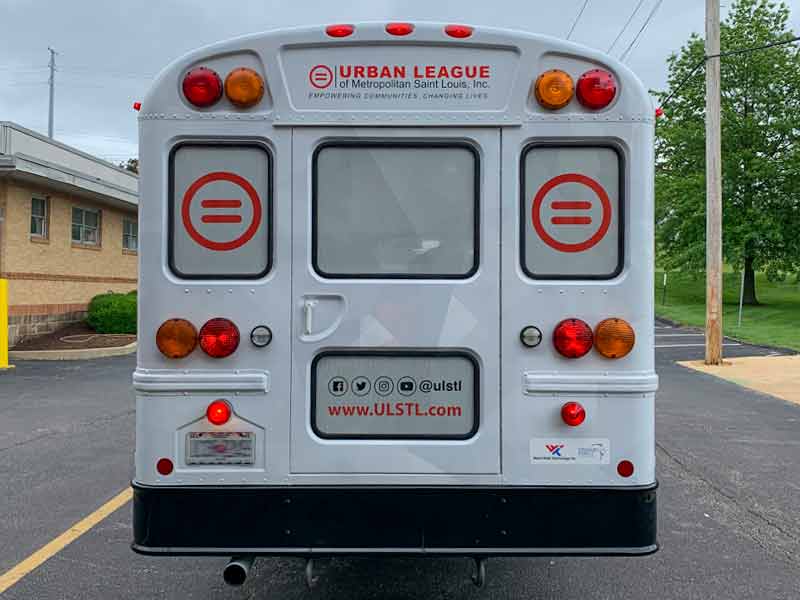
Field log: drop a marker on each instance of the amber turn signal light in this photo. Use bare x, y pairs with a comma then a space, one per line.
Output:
554, 89
614, 338
244, 87
176, 338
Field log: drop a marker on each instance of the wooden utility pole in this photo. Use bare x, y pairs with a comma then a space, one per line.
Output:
713, 189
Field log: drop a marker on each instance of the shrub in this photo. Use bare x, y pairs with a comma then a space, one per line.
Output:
113, 313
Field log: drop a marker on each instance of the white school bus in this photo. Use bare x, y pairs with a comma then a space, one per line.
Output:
396, 298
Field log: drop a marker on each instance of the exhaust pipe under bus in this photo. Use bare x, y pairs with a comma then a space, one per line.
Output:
236, 571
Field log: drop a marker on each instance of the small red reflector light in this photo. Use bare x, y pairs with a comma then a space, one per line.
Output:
218, 412
137, 106
573, 414
572, 338
459, 31
625, 468
596, 89
659, 112
202, 87
339, 30
219, 337
399, 28
164, 466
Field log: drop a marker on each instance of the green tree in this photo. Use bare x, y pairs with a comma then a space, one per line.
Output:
760, 154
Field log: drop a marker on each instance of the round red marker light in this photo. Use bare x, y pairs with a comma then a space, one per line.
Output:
573, 414
625, 468
219, 337
202, 87
339, 30
164, 466
399, 28
596, 89
459, 31
572, 338
218, 412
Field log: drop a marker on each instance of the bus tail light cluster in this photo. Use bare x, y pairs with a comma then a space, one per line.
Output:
595, 90
612, 338
203, 87
177, 338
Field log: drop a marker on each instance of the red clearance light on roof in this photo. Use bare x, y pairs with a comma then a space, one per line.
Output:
573, 414
659, 112
339, 30
459, 31
572, 338
202, 87
596, 89
218, 412
219, 338
399, 28
137, 106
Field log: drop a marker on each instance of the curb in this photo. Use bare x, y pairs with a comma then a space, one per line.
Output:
786, 351
81, 354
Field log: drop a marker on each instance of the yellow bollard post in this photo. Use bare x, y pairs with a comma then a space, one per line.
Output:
4, 325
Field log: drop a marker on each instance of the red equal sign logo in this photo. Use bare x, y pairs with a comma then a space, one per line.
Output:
571, 205
221, 217
321, 76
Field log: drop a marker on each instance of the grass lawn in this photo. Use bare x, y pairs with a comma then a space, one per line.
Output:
776, 322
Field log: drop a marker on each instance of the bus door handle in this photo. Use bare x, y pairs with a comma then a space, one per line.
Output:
308, 316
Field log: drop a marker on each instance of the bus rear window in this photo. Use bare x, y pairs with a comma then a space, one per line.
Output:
395, 210
571, 212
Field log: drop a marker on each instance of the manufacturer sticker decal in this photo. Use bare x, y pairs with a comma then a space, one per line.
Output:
579, 451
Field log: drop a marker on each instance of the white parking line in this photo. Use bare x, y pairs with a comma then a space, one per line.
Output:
680, 335
690, 345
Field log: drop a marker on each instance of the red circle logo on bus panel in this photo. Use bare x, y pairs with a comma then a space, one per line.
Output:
574, 213
320, 76
233, 214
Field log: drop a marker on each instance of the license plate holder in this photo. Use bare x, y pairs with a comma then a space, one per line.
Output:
220, 448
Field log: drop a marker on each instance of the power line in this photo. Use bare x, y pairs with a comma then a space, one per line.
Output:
577, 18
736, 52
625, 54
624, 27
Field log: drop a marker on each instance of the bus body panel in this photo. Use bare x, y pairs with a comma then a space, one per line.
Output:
332, 485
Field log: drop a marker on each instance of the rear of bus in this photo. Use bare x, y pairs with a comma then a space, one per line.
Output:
395, 297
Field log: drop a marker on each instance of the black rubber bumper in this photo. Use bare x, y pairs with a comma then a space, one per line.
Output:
471, 521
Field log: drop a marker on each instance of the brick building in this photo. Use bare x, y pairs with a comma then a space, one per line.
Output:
68, 230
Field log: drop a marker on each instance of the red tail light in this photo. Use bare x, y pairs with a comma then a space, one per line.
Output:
596, 89
625, 468
164, 466
202, 87
339, 30
573, 414
219, 337
399, 28
218, 412
458, 31
572, 338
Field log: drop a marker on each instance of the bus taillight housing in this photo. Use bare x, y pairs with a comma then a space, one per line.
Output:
596, 89
573, 338
202, 87
219, 337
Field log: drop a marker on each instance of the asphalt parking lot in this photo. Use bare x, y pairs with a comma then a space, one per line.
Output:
727, 464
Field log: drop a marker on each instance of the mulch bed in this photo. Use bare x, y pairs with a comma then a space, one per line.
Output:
84, 337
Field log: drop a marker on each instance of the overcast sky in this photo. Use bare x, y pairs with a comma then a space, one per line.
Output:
109, 50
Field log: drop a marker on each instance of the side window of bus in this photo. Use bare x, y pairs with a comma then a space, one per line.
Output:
571, 212
395, 210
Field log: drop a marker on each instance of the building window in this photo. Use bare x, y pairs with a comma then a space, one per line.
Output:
39, 217
130, 235
85, 226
